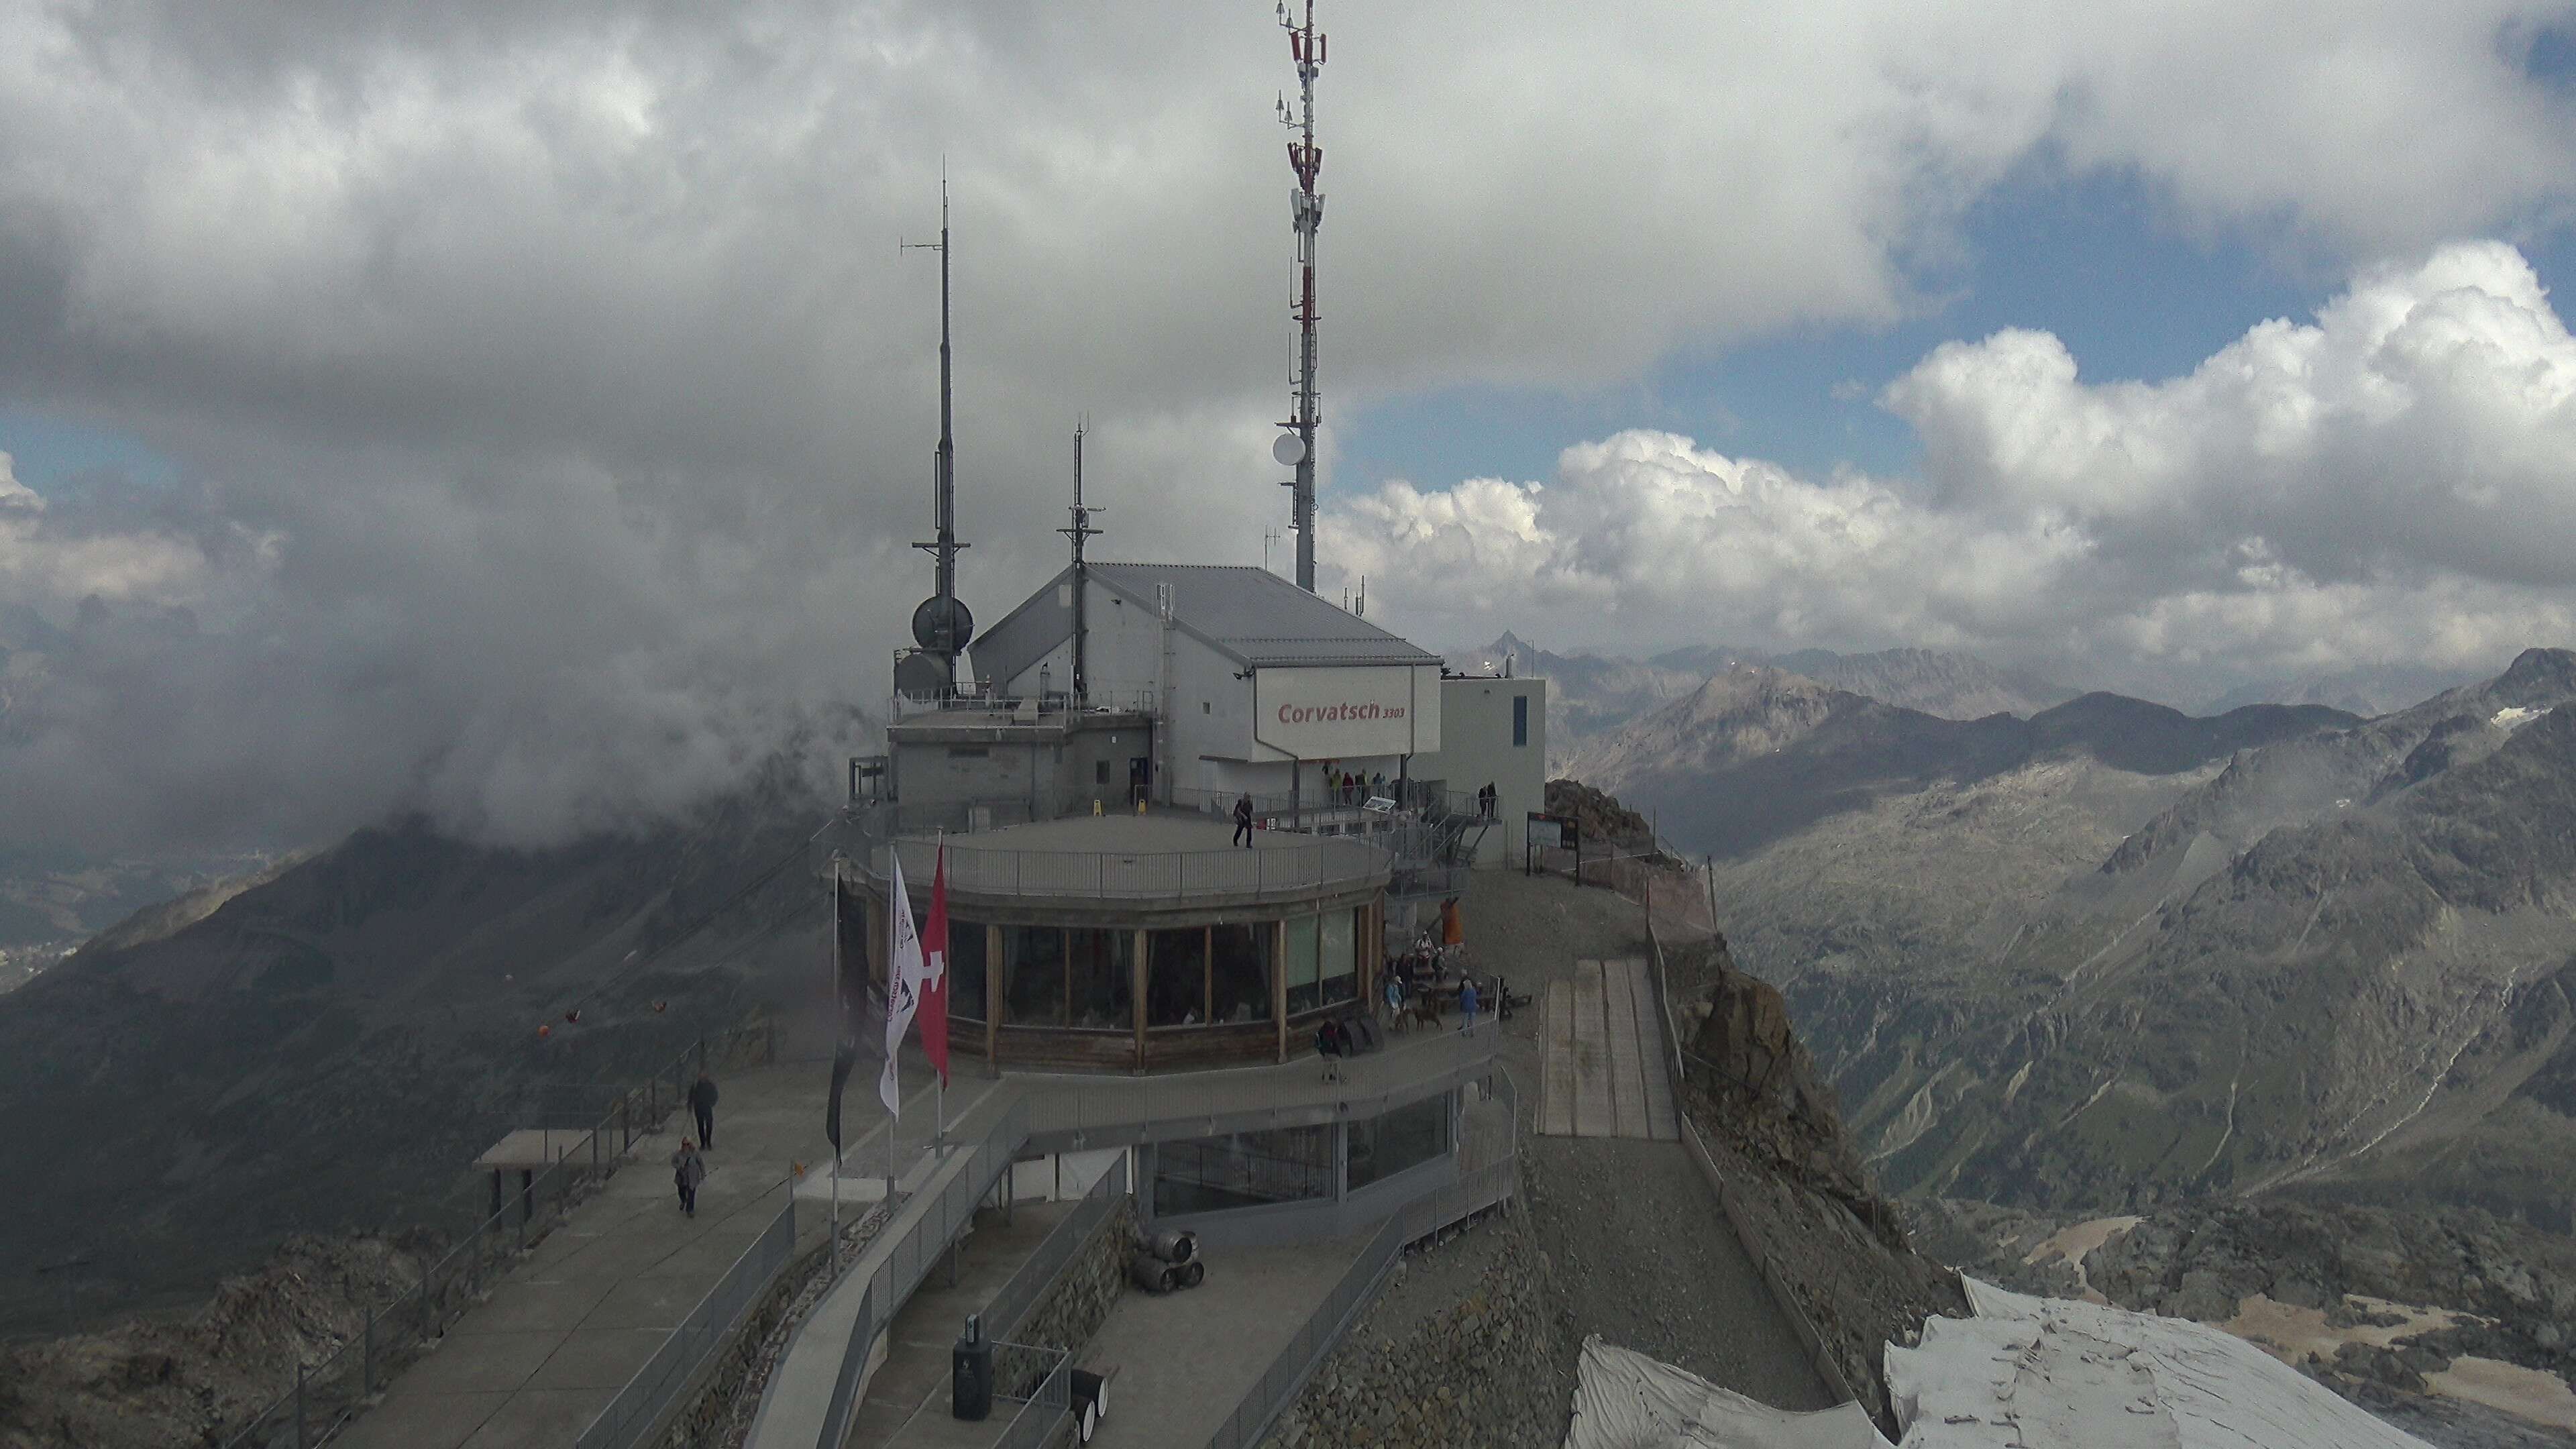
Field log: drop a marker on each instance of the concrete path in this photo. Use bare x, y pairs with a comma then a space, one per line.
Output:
1602, 1071
534, 1362
1184, 1360
798, 1395
908, 1399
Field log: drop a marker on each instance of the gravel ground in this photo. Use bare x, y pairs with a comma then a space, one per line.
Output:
1433, 1281
2453, 1424
1639, 1254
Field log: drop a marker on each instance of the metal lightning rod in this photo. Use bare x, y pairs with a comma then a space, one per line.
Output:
1306, 215
951, 626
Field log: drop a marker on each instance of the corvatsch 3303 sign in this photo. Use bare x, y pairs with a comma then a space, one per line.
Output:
1347, 712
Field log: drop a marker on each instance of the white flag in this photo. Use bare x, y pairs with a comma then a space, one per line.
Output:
905, 973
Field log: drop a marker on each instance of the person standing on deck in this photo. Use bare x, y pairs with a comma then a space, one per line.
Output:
1243, 820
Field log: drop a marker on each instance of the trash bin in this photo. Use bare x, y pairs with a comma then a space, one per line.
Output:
970, 1374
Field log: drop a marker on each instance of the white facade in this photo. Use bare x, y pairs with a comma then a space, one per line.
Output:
1493, 731
1231, 726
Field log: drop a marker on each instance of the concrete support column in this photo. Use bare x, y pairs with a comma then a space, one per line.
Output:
993, 997
1279, 982
1136, 996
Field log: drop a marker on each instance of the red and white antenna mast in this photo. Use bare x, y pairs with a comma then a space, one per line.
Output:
1306, 209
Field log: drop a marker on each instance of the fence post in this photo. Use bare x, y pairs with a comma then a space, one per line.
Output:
367, 1358
424, 1294
625, 1134
299, 1404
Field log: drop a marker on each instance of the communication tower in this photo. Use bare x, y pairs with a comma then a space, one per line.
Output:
1306, 213
942, 626
1080, 531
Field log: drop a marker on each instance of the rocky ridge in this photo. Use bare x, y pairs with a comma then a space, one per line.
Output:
178, 1380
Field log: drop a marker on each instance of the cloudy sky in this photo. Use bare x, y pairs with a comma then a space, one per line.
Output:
522, 412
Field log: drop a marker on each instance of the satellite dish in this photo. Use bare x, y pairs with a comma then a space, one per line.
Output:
1289, 449
942, 625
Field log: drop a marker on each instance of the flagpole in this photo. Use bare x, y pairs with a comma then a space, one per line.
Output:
894, 1109
939, 1078
841, 1028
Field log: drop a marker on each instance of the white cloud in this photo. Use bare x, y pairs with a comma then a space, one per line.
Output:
2392, 484
550, 409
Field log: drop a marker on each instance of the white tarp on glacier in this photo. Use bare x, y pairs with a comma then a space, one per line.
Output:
1625, 1400
2024, 1372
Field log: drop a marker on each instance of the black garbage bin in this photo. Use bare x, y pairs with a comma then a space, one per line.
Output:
970, 1374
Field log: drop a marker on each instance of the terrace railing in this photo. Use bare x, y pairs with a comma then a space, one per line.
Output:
910, 1260
649, 1394
1476, 1191
1147, 875
322, 1395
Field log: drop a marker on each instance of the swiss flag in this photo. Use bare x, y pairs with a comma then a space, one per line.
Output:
934, 985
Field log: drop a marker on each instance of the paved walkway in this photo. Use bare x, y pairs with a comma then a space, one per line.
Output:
1602, 1057
908, 1400
798, 1395
551, 1345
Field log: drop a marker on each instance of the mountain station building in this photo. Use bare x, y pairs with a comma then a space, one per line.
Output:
1102, 913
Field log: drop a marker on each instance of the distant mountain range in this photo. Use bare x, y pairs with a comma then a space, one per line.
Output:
2368, 692
1591, 694
2114, 955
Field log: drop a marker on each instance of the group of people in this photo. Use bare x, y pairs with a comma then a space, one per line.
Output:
1343, 787
689, 1163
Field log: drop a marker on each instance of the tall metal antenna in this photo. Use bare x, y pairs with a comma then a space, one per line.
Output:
942, 625
1306, 215
1080, 530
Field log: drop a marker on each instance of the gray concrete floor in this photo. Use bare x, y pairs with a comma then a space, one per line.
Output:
1183, 1360
555, 1340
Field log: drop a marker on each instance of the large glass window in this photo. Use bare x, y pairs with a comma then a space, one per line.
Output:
1299, 965
1406, 1137
1033, 975
1104, 979
1520, 721
1337, 954
1176, 978
1241, 980
1245, 1169
966, 943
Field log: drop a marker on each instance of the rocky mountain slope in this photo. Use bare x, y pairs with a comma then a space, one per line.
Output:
326, 1050
2114, 956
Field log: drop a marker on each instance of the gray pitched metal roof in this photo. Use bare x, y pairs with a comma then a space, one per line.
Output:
1248, 614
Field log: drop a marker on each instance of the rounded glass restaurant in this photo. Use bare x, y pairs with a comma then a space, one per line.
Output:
1136, 942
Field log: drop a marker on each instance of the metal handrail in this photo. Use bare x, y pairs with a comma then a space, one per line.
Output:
1074, 1111
1002, 1315
1476, 1191
649, 1393
324, 1396
909, 1259
1321, 864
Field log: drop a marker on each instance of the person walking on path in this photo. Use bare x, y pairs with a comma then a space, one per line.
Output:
1467, 1005
1243, 820
702, 1101
688, 1169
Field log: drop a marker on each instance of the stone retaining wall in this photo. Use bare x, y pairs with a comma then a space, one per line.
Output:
1078, 1302
726, 1390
